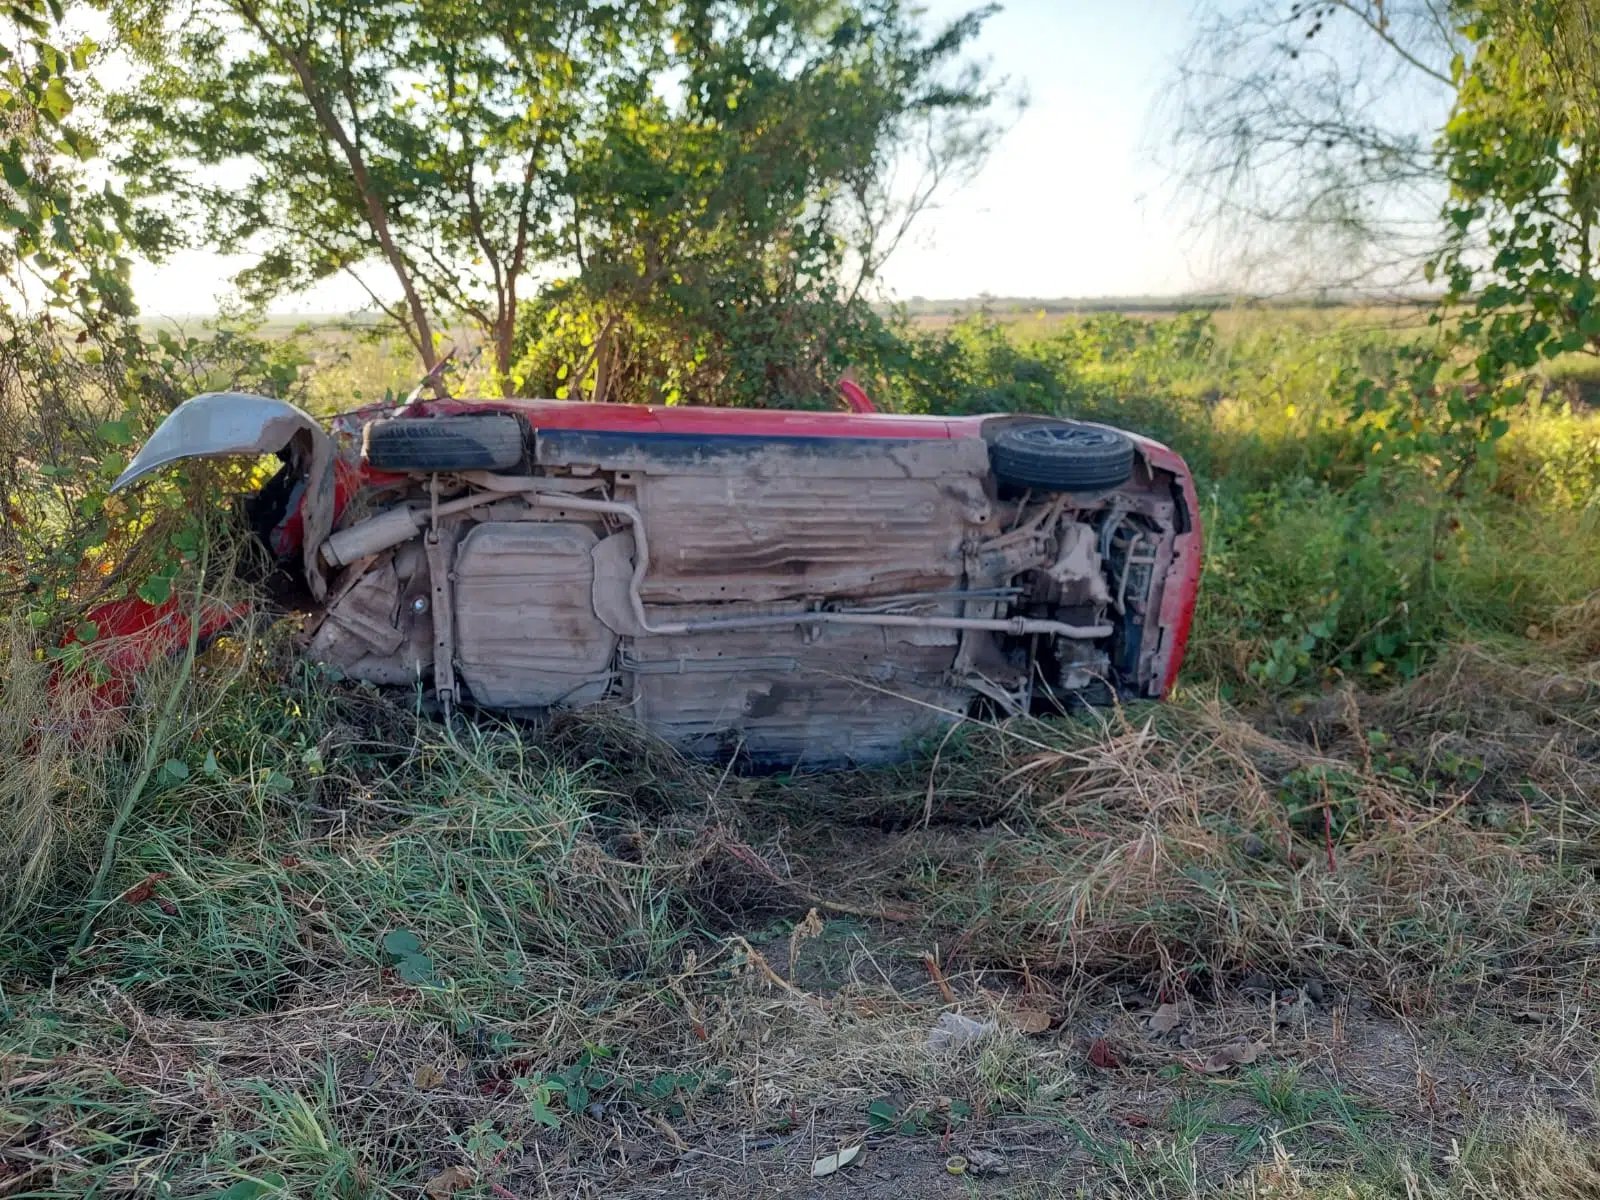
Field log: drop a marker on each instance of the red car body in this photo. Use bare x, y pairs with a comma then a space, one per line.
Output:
339, 480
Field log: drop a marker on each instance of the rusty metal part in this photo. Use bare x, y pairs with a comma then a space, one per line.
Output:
1079, 559
439, 546
1148, 560
389, 529
526, 487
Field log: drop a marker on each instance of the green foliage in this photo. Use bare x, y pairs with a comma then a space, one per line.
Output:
405, 951
1523, 149
1522, 153
705, 167
63, 241
885, 1115
72, 409
769, 346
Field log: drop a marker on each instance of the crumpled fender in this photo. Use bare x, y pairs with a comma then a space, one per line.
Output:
224, 424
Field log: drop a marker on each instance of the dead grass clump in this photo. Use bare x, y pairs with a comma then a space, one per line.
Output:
53, 768
1577, 627
1429, 846
1536, 1156
1542, 1158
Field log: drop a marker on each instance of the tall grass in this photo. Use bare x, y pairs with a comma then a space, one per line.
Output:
55, 769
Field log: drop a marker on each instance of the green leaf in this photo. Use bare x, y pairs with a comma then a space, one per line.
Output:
15, 173
115, 432
209, 767
156, 590
416, 968
174, 770
278, 783
270, 1184
662, 1086
57, 101
401, 943
882, 1113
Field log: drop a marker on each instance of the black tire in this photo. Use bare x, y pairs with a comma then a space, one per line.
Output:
479, 442
1061, 456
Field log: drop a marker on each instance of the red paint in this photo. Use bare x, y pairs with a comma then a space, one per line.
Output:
131, 634
349, 477
1183, 582
856, 397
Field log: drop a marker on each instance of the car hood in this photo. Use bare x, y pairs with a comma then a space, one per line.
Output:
227, 424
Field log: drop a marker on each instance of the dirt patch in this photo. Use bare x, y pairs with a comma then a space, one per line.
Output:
1102, 1097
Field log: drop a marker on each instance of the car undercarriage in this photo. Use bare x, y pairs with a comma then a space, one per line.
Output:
785, 600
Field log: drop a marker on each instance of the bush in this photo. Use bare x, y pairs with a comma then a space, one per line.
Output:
74, 406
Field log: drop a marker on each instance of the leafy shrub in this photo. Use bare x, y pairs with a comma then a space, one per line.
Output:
74, 406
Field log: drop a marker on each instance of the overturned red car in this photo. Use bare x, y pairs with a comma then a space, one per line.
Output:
794, 588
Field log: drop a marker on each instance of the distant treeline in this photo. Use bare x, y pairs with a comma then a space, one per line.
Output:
920, 306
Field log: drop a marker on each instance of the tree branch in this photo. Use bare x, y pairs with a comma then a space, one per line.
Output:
372, 200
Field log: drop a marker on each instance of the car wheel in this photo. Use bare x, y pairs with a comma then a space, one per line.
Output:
1061, 456
478, 442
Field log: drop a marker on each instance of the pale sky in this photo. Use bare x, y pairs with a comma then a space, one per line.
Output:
1068, 205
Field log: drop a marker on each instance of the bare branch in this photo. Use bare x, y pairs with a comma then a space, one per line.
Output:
1302, 136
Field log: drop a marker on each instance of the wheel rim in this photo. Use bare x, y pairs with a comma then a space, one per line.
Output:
1052, 437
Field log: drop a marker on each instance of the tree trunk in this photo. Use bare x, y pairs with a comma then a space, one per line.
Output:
602, 369
377, 213
505, 337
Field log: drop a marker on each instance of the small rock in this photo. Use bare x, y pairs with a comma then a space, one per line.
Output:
987, 1162
1254, 847
1292, 1007
1165, 1019
957, 1032
1257, 984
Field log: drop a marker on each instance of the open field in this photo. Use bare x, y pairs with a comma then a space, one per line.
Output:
1326, 925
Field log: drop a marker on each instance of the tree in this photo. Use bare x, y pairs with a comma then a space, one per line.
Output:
1522, 150
79, 384
724, 240
1521, 153
469, 147
64, 247
1304, 135
426, 136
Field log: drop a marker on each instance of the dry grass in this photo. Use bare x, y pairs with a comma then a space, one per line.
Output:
53, 768
1393, 896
